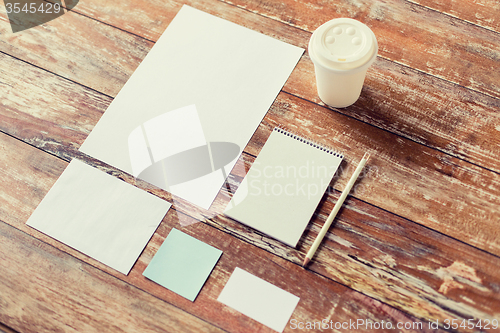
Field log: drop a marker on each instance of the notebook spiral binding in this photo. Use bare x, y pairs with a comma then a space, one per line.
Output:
312, 143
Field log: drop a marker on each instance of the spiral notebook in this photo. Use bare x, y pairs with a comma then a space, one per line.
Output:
284, 186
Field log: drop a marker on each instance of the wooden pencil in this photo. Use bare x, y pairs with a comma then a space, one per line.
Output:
335, 210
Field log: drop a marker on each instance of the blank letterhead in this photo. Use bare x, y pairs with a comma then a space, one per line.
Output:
229, 74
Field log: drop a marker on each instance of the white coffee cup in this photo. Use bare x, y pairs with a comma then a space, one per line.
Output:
342, 50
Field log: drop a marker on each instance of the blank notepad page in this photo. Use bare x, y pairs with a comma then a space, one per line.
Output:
284, 186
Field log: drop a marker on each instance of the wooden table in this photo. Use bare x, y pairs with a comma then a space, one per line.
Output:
418, 241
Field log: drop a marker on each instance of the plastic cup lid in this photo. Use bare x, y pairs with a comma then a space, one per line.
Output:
343, 44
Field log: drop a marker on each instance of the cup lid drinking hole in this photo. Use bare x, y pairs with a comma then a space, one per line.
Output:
343, 44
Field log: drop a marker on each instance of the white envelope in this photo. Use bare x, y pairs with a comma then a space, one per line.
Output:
99, 215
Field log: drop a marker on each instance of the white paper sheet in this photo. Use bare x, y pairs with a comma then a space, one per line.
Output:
229, 74
99, 215
258, 299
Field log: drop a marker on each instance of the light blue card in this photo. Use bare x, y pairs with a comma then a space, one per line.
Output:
182, 264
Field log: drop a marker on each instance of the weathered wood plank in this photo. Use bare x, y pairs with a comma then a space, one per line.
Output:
5, 329
65, 46
404, 101
43, 289
386, 256
381, 254
439, 191
421, 108
436, 170
32, 268
407, 33
279, 111
289, 108
485, 13
44, 110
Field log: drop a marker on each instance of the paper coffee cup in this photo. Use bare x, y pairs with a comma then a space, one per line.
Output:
342, 50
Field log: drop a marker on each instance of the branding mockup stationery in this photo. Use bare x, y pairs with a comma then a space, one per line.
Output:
99, 215
258, 299
182, 264
284, 186
192, 105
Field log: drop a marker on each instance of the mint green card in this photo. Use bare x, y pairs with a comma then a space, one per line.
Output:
182, 264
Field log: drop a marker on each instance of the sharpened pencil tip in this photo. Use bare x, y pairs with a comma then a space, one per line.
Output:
306, 261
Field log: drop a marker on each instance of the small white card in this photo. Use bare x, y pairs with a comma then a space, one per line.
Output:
99, 215
258, 299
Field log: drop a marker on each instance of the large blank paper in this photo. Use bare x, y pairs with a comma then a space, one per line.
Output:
284, 186
182, 264
187, 112
99, 215
258, 299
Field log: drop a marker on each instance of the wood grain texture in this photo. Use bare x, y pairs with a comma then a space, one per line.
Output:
46, 290
429, 190
421, 281
480, 12
34, 263
64, 46
396, 98
408, 34
384, 256
439, 191
420, 107
5, 329
476, 224
58, 114
88, 104
442, 181
428, 112
410, 103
